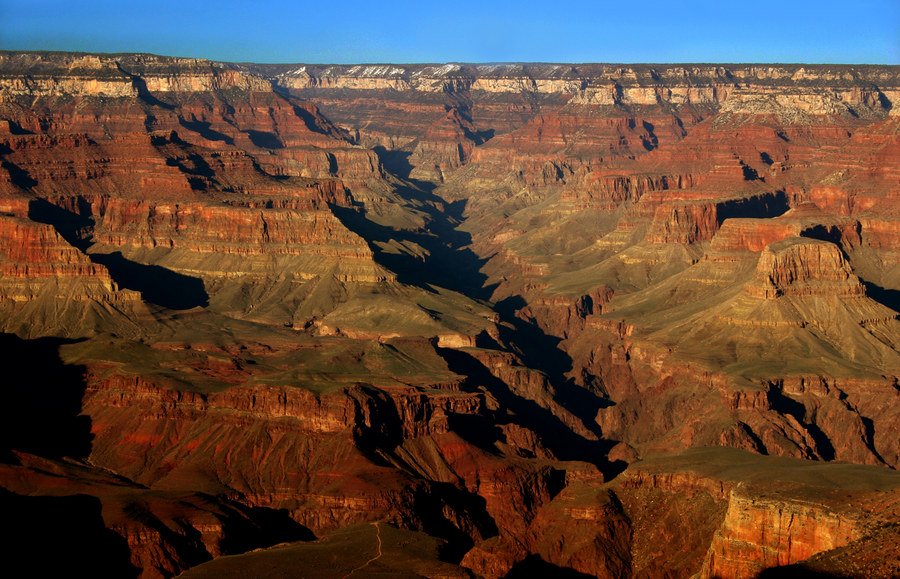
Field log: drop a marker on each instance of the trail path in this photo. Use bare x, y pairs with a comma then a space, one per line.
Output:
373, 559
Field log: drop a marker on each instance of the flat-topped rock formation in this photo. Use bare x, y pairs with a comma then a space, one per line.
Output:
485, 318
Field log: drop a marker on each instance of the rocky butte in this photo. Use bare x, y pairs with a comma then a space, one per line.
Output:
448, 320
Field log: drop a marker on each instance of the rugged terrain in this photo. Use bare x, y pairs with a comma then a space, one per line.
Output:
449, 320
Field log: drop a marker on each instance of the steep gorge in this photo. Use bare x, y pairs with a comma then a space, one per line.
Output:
507, 306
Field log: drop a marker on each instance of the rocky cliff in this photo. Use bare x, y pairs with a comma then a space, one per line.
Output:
504, 306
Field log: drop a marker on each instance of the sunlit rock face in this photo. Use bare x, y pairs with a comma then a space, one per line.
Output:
504, 320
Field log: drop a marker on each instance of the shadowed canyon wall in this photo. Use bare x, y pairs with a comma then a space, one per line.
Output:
497, 320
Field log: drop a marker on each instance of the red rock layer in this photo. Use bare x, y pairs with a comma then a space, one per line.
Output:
183, 164
160, 533
659, 221
758, 534
49, 287
317, 455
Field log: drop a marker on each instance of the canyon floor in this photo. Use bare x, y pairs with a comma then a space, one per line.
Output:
453, 320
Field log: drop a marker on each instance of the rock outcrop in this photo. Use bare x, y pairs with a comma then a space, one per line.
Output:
506, 306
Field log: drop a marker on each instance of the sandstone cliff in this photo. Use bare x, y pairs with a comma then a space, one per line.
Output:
366, 302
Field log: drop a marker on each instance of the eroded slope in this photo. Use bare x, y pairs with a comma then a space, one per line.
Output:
457, 300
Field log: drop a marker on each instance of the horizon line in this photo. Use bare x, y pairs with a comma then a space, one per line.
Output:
452, 62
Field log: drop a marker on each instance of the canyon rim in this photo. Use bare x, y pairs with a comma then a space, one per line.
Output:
450, 320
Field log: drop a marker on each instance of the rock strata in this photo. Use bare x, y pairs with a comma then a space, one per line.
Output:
503, 320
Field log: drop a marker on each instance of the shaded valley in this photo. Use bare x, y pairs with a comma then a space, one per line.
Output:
450, 320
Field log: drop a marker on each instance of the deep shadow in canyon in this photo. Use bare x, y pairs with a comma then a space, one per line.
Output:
379, 436
450, 262
157, 285
887, 297
446, 262
543, 352
396, 162
555, 435
42, 400
60, 537
534, 566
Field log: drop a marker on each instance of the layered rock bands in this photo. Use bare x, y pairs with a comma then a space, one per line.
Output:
448, 320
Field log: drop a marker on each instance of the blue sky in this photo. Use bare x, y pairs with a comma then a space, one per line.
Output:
858, 31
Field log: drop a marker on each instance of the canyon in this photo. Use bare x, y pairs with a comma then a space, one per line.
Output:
450, 320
